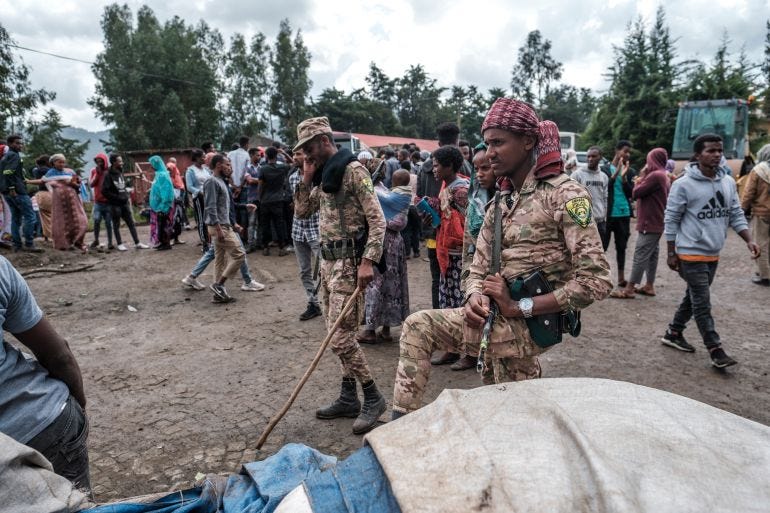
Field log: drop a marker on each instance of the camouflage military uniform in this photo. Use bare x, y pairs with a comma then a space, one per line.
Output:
546, 226
339, 277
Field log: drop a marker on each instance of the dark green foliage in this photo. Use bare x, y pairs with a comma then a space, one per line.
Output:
17, 98
46, 138
156, 85
535, 70
290, 62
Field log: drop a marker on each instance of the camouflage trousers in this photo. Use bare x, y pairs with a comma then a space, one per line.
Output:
338, 281
512, 357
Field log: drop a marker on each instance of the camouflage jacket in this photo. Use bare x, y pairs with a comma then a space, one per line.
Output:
547, 226
359, 206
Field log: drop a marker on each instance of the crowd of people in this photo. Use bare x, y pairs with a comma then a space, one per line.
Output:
515, 244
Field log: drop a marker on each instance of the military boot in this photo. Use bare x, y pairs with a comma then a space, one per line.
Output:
346, 405
374, 406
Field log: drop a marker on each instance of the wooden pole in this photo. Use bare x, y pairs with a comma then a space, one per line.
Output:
277, 417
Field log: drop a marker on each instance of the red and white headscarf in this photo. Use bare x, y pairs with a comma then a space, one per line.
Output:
520, 118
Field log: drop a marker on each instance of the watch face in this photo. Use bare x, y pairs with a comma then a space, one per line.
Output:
526, 304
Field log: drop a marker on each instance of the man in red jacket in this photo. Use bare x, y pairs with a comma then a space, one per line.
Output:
650, 192
101, 205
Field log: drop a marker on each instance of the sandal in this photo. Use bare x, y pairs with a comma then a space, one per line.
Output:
621, 294
645, 292
622, 283
385, 337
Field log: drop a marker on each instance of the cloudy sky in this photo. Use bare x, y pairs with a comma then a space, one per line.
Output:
457, 41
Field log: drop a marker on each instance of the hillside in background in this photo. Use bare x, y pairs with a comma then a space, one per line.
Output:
95, 146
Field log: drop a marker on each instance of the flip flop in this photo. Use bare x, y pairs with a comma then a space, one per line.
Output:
644, 292
621, 294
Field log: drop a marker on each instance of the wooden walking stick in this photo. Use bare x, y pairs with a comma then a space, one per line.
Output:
278, 416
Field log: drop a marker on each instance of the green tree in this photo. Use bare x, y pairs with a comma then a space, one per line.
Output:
290, 62
766, 71
355, 112
535, 70
466, 107
723, 79
156, 86
641, 99
418, 103
381, 88
569, 107
17, 97
247, 110
45, 138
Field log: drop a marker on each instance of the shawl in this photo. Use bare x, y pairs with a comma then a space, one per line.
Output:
334, 170
394, 201
162, 190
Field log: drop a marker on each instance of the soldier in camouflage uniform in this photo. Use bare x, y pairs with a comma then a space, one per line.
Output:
546, 226
352, 228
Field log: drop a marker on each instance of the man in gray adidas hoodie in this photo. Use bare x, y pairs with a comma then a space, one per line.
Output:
701, 206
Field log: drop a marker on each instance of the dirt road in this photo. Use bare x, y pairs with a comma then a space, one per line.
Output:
183, 386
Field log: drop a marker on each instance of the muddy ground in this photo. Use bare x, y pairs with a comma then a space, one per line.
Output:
183, 386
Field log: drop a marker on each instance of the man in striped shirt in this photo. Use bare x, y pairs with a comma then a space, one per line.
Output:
305, 234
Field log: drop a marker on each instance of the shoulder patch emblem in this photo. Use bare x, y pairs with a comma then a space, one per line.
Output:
579, 209
368, 186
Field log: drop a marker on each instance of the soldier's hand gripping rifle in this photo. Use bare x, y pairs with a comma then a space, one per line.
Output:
494, 268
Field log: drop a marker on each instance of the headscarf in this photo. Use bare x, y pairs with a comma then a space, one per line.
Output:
657, 160
520, 118
395, 201
162, 190
763, 155
670, 166
53, 173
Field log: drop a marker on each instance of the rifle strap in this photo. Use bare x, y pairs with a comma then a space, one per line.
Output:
498, 236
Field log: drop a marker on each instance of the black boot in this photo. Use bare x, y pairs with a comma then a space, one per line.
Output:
346, 405
374, 406
395, 415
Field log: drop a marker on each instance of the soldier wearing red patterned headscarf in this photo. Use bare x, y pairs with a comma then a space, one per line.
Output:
547, 229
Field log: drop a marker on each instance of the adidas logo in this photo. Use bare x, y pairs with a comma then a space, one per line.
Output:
716, 208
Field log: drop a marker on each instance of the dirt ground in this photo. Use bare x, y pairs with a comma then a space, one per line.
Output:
182, 386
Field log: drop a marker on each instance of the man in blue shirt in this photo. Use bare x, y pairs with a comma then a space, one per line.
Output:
42, 402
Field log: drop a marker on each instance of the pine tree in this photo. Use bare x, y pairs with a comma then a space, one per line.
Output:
290, 61
45, 138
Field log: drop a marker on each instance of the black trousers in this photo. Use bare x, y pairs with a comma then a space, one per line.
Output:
620, 227
411, 234
271, 215
123, 212
435, 277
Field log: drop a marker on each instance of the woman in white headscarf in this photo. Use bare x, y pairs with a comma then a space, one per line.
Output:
756, 201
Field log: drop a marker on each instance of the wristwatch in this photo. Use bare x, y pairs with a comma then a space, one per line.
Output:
525, 305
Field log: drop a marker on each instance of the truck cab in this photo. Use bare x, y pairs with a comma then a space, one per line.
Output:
726, 118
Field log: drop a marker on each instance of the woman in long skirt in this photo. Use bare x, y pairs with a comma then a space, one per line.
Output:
161, 206
68, 218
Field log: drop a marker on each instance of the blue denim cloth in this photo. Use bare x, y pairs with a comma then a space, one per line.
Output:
102, 212
22, 213
697, 301
208, 257
63, 443
356, 484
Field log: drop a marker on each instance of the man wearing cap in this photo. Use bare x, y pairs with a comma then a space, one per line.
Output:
352, 228
547, 226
